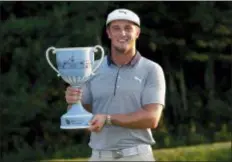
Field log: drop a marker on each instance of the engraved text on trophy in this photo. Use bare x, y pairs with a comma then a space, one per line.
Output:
72, 63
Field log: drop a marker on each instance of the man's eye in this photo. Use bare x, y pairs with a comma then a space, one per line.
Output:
116, 28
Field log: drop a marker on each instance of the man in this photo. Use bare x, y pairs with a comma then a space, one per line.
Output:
126, 96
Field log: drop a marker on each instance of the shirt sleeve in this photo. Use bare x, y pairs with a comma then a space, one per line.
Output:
155, 86
86, 94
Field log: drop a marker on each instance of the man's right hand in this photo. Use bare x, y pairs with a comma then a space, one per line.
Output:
73, 95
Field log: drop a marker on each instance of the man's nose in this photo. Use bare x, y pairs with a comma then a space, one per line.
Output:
123, 32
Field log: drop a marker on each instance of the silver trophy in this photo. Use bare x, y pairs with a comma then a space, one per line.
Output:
75, 66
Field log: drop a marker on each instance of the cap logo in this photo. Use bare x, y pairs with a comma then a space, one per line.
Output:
122, 12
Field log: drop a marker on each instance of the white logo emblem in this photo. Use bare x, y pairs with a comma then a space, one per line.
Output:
138, 79
121, 11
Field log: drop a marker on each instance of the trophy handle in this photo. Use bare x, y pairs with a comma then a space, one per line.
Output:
48, 59
102, 57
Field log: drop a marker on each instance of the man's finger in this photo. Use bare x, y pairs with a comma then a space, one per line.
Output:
94, 122
72, 93
94, 128
70, 89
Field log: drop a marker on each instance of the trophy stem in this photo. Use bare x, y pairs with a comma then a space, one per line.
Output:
77, 107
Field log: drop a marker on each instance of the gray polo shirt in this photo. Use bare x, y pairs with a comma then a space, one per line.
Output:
123, 90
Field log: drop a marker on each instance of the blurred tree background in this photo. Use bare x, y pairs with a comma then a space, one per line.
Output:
192, 41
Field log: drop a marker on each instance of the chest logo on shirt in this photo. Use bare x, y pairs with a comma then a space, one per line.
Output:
138, 79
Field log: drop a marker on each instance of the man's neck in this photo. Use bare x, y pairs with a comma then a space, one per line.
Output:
122, 58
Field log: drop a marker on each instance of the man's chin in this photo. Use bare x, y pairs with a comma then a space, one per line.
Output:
121, 50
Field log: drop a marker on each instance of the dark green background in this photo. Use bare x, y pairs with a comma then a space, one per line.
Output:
192, 41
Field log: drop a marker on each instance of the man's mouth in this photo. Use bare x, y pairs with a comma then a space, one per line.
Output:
122, 40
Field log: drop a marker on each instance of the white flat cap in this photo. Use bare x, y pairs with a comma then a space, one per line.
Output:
123, 14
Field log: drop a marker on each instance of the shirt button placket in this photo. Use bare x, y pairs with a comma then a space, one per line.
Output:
118, 84
116, 81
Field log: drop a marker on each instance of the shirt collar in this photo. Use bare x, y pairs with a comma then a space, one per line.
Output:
133, 61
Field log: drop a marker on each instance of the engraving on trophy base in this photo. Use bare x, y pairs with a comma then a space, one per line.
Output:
74, 122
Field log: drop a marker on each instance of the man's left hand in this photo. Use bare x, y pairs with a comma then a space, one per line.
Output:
97, 123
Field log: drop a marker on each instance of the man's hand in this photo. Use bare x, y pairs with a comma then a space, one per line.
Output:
97, 123
73, 95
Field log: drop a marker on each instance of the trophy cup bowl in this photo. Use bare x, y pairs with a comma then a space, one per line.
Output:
75, 66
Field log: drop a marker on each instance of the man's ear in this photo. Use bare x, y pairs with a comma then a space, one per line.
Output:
138, 32
108, 32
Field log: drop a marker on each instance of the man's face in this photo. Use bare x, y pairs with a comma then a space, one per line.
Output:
123, 35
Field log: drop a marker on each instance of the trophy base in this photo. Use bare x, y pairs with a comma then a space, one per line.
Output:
76, 118
74, 127
75, 121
